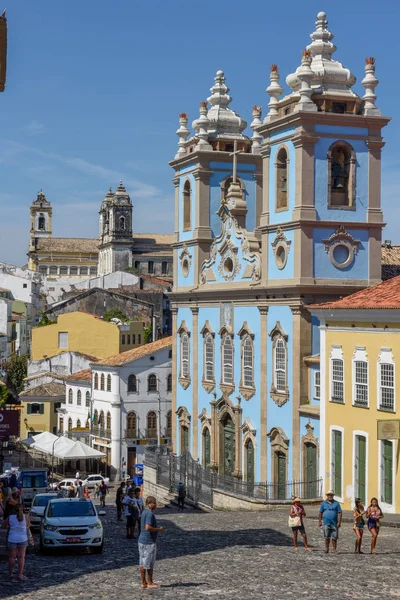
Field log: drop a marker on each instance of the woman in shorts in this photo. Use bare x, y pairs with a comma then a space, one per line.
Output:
374, 514
297, 511
359, 523
18, 525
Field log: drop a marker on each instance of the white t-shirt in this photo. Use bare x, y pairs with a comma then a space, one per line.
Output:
18, 532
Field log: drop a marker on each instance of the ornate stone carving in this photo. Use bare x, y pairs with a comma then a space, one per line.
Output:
281, 248
343, 238
248, 426
185, 259
309, 437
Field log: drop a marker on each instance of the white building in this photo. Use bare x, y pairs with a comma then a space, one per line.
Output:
123, 403
24, 285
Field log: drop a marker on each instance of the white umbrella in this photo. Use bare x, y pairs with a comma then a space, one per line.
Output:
78, 451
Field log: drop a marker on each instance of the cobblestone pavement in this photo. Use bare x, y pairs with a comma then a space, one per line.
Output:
218, 555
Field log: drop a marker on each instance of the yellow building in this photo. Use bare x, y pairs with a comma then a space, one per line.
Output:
360, 418
85, 333
40, 403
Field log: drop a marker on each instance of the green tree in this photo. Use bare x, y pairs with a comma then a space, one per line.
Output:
115, 313
16, 369
147, 334
44, 320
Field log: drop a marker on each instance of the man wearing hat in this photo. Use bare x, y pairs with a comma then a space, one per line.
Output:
330, 515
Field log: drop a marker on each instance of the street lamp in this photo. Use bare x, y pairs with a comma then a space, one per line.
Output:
59, 435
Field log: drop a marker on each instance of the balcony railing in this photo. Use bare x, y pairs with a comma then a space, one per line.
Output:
99, 431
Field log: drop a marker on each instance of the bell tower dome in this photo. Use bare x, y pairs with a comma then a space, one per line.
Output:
41, 214
115, 250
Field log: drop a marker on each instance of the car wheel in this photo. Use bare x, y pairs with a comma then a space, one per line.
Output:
98, 549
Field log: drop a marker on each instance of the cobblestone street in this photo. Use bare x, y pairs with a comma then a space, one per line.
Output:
221, 555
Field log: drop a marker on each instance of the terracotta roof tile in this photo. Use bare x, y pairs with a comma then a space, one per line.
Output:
136, 353
48, 374
385, 295
154, 238
85, 375
45, 390
80, 245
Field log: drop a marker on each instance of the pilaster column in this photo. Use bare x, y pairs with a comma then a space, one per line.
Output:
304, 143
262, 441
214, 435
266, 153
176, 181
174, 312
195, 382
237, 410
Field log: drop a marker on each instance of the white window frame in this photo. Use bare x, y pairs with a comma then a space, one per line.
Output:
224, 363
284, 370
185, 362
389, 508
385, 357
317, 385
336, 354
63, 345
357, 432
359, 356
331, 430
70, 396
247, 338
209, 337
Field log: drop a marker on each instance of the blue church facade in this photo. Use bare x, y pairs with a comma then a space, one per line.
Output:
265, 226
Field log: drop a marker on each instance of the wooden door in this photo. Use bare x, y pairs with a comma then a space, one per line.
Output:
281, 475
250, 461
337, 462
360, 467
228, 447
310, 473
387, 472
206, 448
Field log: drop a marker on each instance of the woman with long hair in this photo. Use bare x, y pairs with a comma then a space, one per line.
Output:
374, 514
359, 523
18, 525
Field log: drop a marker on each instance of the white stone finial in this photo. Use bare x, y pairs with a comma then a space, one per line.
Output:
305, 75
257, 137
183, 134
201, 126
370, 82
274, 90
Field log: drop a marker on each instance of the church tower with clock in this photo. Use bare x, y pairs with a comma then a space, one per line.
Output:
266, 225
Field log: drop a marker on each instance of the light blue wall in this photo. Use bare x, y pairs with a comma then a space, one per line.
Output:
246, 173
288, 271
341, 130
286, 215
315, 422
183, 397
189, 280
321, 182
313, 400
323, 267
187, 235
280, 416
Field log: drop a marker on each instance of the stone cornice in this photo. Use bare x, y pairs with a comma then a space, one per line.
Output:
289, 225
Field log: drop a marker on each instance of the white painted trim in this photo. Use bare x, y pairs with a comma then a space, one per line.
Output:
357, 432
333, 428
336, 353
314, 395
359, 355
385, 357
389, 508
322, 415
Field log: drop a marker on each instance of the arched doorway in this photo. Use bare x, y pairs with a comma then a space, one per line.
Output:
206, 448
228, 446
280, 471
249, 461
310, 470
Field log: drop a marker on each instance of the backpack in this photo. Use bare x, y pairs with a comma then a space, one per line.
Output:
181, 490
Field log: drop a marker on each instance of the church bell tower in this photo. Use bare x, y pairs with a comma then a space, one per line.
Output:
41, 214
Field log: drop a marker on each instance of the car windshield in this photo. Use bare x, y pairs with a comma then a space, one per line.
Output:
71, 509
42, 500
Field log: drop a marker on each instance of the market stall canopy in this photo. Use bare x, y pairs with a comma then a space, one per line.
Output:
79, 450
62, 447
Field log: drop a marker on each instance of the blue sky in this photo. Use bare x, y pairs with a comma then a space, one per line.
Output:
94, 90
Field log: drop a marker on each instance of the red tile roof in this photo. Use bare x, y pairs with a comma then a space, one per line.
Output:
385, 295
85, 375
136, 353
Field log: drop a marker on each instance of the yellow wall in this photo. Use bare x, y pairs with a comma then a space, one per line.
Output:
45, 422
356, 419
86, 334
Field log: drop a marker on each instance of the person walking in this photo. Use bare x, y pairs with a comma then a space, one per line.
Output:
359, 523
71, 491
77, 475
80, 490
18, 525
86, 492
148, 543
330, 515
138, 500
297, 514
103, 491
96, 490
181, 490
130, 513
374, 514
118, 500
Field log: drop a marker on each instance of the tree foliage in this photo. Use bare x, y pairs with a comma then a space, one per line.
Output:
44, 320
115, 313
16, 369
147, 334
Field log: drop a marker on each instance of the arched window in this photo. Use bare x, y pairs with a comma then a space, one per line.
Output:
108, 383
102, 382
169, 383
151, 424
227, 360
132, 383
247, 362
209, 357
101, 420
122, 223
78, 423
169, 423
187, 206
96, 417
69, 424
70, 396
280, 365
41, 223
185, 355
131, 424
108, 423
152, 383
341, 175
282, 179
96, 381
87, 400
79, 398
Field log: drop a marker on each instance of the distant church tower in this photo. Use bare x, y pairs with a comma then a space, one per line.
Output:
41, 225
115, 248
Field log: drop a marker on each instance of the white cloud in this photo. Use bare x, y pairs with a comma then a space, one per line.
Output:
34, 127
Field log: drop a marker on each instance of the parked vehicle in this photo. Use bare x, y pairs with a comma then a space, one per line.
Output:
71, 522
64, 484
31, 481
91, 480
38, 507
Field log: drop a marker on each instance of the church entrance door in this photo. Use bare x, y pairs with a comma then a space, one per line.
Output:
228, 443
310, 470
281, 475
250, 462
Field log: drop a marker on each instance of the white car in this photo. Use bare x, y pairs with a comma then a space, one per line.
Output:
38, 507
91, 481
64, 484
71, 522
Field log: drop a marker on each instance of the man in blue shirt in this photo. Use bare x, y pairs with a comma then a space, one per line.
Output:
330, 515
148, 543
